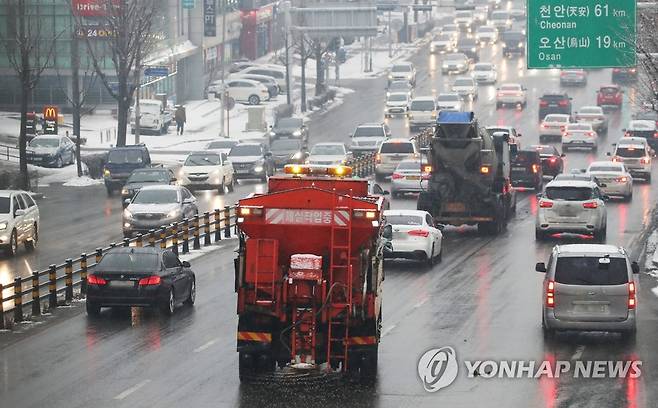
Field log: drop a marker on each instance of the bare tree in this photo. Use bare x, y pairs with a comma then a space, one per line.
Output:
320, 48
131, 24
302, 45
647, 57
29, 51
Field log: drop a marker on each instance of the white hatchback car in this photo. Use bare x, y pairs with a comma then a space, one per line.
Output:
19, 221
247, 90
413, 236
396, 104
577, 135
616, 178
328, 154
552, 126
570, 206
485, 73
208, 170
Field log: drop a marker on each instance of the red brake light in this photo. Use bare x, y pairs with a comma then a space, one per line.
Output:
545, 204
419, 233
617, 159
550, 294
563, 103
590, 204
655, 135
535, 168
396, 176
151, 280
96, 280
543, 104
632, 300
590, 134
644, 160
628, 134
553, 160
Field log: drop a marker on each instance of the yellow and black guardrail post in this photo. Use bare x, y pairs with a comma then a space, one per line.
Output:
152, 238
186, 236
52, 286
99, 254
18, 300
139, 243
163, 237
174, 238
206, 228
227, 222
36, 302
83, 273
126, 242
2, 308
68, 271
217, 221
196, 244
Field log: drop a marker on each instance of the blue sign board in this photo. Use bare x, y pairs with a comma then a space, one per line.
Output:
188, 4
156, 71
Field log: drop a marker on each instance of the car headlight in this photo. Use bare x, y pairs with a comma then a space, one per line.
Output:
520, 44
272, 133
258, 168
408, 76
173, 213
124, 191
106, 173
504, 44
3, 225
297, 133
127, 213
297, 156
473, 49
390, 76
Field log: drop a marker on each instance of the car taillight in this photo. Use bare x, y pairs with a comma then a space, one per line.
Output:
644, 160
590, 204
151, 280
396, 176
544, 125
622, 179
562, 128
632, 300
519, 93
655, 135
545, 204
378, 158
552, 160
590, 134
543, 104
616, 70
550, 294
567, 134
617, 159
563, 103
535, 168
96, 280
419, 233
628, 134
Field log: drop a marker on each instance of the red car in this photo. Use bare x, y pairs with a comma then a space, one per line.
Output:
609, 95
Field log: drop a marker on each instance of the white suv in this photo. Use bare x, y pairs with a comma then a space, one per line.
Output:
570, 206
422, 112
19, 221
636, 155
205, 170
243, 90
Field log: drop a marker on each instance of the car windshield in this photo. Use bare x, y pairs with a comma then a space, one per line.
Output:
615, 169
156, 197
641, 126
568, 193
630, 152
591, 111
464, 82
422, 105
202, 160
397, 97
444, 37
609, 91
509, 36
483, 67
152, 108
394, 147
591, 270
401, 68
448, 98
404, 220
462, 14
4, 205
148, 177
499, 15
328, 150
124, 156
283, 144
128, 262
222, 144
486, 29
245, 150
369, 131
289, 123
44, 142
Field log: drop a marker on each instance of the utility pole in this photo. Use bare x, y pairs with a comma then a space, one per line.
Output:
222, 60
75, 95
390, 36
286, 9
138, 82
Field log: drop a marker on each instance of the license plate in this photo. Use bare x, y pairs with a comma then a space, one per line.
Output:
595, 308
242, 171
518, 169
122, 284
455, 207
413, 177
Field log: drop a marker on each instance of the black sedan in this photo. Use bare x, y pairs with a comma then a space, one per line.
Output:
552, 162
289, 127
143, 177
147, 277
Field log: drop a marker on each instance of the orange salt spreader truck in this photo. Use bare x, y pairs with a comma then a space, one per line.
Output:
309, 274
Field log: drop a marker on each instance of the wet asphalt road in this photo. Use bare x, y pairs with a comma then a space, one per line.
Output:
484, 300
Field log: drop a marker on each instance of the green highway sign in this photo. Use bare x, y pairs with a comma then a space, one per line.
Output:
581, 33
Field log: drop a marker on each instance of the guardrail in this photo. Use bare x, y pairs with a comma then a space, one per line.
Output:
8, 152
199, 231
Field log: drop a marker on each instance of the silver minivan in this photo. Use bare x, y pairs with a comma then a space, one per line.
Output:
589, 287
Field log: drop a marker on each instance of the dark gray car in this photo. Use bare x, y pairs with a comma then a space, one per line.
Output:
289, 127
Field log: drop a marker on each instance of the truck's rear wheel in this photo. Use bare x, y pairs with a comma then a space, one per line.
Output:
246, 367
369, 362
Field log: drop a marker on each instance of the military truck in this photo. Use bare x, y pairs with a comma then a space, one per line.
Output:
469, 175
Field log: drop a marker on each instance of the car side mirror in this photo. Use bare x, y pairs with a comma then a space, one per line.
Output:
539, 195
188, 201
519, 134
268, 155
388, 232
19, 213
186, 264
635, 267
388, 247
540, 267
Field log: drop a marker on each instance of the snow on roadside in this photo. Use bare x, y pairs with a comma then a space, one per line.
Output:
651, 261
83, 181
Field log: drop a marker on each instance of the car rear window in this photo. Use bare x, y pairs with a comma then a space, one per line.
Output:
522, 157
397, 148
609, 91
422, 106
569, 193
404, 220
553, 97
128, 262
125, 156
630, 152
590, 270
614, 169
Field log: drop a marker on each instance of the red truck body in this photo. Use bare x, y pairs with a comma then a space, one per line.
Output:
328, 312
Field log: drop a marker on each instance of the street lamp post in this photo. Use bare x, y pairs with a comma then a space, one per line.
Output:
222, 60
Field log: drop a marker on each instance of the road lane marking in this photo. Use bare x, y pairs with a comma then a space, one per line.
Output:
578, 353
419, 304
205, 346
388, 330
131, 390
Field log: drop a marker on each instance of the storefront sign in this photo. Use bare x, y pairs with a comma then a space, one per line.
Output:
209, 18
91, 8
95, 32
